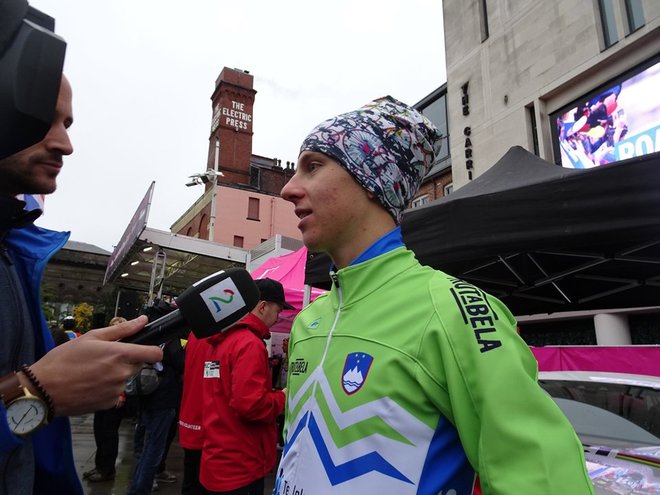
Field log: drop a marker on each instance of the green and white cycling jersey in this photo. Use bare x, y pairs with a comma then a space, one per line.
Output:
405, 380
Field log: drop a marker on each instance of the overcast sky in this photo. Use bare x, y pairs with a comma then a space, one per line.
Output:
143, 72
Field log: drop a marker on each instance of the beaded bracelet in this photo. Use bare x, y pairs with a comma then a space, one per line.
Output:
42, 391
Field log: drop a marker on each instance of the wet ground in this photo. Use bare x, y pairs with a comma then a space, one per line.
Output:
84, 448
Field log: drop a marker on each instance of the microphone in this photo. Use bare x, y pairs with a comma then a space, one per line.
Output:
206, 308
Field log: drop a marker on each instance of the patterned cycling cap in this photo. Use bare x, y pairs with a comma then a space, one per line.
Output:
386, 146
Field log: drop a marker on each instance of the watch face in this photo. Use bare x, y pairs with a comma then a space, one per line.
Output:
25, 415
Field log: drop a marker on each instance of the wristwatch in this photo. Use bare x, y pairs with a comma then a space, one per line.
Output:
26, 412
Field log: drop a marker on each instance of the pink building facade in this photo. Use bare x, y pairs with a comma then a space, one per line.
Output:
243, 218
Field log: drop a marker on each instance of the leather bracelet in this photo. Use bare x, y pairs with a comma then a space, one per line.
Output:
42, 391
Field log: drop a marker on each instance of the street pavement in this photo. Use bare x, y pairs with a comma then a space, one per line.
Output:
83, 453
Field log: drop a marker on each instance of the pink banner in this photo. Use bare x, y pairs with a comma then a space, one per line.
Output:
289, 270
640, 360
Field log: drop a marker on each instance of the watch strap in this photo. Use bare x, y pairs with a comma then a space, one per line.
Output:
10, 388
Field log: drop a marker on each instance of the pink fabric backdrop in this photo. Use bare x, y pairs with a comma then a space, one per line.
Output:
641, 360
289, 270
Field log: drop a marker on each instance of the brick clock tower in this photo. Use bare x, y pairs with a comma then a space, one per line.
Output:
231, 126
245, 209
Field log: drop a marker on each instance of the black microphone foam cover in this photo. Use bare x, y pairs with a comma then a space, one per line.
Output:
218, 301
31, 62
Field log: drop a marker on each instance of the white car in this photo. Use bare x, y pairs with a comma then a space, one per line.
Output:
617, 418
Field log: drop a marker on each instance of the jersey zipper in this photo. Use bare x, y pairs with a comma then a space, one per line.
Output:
340, 296
335, 278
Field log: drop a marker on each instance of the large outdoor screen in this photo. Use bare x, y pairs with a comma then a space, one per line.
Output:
619, 120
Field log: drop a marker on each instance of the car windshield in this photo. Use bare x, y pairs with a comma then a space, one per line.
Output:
613, 414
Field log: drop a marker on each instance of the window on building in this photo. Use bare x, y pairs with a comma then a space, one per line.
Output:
448, 189
436, 112
255, 177
608, 22
533, 129
483, 19
634, 14
253, 209
422, 200
238, 241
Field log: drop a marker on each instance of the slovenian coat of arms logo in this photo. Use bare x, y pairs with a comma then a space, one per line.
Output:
356, 369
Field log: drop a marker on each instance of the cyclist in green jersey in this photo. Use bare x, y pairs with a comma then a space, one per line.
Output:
403, 379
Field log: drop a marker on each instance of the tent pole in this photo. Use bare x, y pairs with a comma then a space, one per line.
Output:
117, 301
612, 329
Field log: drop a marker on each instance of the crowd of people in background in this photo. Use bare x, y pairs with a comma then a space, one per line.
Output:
230, 429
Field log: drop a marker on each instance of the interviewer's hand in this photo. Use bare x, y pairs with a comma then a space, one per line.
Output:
88, 373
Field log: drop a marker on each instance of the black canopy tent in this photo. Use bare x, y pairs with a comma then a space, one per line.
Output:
544, 238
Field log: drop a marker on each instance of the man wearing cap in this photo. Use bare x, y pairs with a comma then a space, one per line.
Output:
240, 406
403, 379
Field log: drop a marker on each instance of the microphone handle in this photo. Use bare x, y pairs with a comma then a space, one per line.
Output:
159, 331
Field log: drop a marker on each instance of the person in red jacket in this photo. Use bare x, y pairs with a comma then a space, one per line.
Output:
240, 405
191, 435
